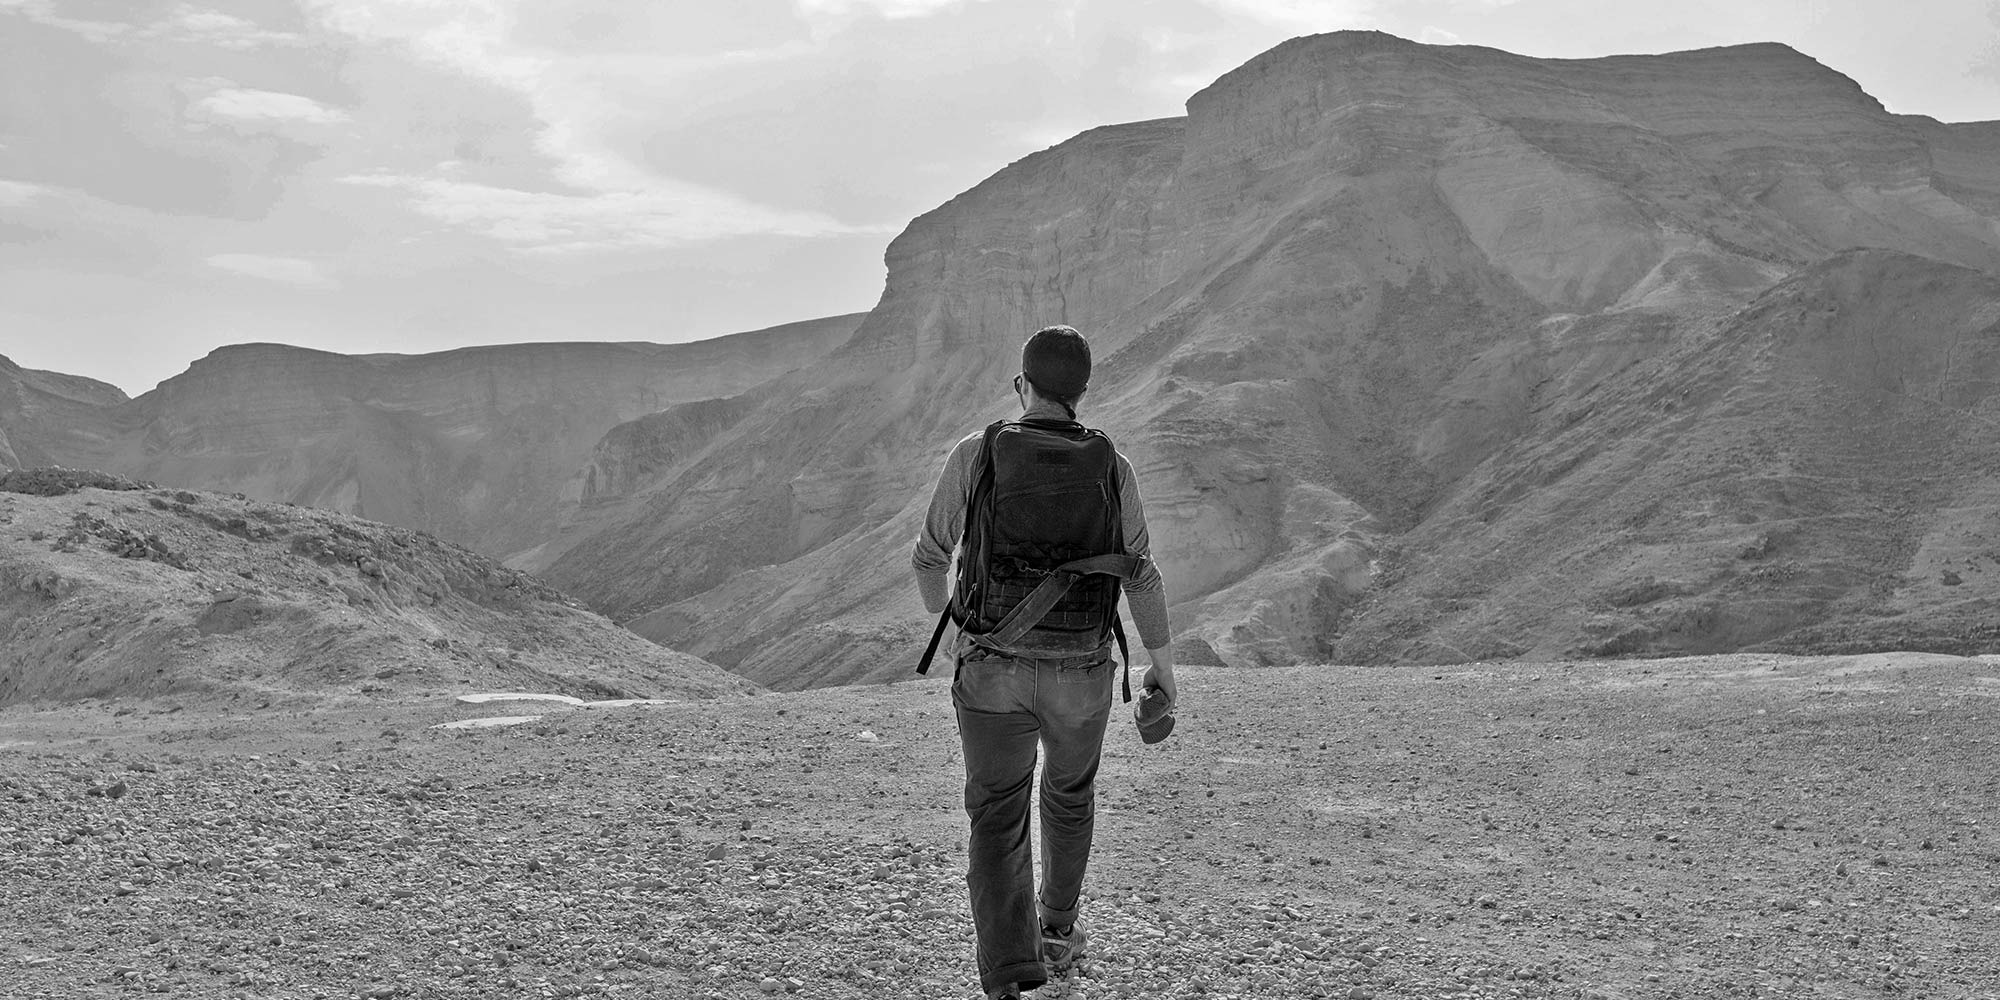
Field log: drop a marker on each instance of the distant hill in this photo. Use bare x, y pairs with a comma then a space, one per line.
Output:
474, 445
47, 416
134, 593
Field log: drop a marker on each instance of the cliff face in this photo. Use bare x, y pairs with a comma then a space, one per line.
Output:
43, 414
473, 445
1325, 304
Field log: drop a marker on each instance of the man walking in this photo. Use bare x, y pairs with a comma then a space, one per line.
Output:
1046, 518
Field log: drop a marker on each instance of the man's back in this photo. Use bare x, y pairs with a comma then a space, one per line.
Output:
1037, 509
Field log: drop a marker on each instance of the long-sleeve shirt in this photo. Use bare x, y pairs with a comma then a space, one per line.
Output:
1145, 593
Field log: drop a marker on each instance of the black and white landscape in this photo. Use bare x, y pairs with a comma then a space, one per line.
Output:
1576, 483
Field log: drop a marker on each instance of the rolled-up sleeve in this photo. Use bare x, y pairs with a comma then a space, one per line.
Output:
1145, 592
944, 524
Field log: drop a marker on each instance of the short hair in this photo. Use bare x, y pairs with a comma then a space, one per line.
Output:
1056, 361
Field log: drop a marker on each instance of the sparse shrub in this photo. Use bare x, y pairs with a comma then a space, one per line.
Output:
55, 481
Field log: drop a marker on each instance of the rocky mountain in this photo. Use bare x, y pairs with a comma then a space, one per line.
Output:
1421, 352
473, 445
112, 589
44, 415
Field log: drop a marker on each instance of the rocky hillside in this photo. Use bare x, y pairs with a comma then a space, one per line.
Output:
473, 445
117, 590
1373, 321
1816, 472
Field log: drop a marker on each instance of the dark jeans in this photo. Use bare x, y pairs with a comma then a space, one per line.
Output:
1006, 706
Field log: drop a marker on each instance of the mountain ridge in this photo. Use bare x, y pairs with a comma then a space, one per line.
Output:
1302, 314
472, 444
1330, 305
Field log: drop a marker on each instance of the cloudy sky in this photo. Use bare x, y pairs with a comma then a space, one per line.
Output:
416, 175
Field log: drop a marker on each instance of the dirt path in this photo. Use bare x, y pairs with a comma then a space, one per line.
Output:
1719, 827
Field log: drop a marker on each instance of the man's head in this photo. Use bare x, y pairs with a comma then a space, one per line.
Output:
1056, 361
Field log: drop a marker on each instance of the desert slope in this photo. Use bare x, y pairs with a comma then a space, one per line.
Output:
141, 594
1816, 473
1360, 271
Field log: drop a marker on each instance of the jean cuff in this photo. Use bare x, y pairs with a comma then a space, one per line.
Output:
1055, 918
1026, 975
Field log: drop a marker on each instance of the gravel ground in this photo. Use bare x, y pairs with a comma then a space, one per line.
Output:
1744, 826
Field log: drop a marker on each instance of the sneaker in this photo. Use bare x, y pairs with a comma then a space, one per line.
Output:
1061, 949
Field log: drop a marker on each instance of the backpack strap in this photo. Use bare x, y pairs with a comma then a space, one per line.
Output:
1118, 629
982, 484
1029, 612
924, 665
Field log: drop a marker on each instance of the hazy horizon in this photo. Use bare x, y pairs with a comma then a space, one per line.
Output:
412, 176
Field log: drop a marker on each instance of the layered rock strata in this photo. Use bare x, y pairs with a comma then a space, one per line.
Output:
1328, 305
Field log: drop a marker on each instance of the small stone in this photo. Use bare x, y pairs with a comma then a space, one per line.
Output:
771, 986
717, 853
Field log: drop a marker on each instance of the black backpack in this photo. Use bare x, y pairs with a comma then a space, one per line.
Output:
1043, 553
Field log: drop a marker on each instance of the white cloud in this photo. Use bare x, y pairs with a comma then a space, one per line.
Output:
265, 106
468, 36
891, 9
667, 214
284, 270
185, 22
620, 203
14, 194
200, 24
473, 37
44, 12
1303, 16
1438, 36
